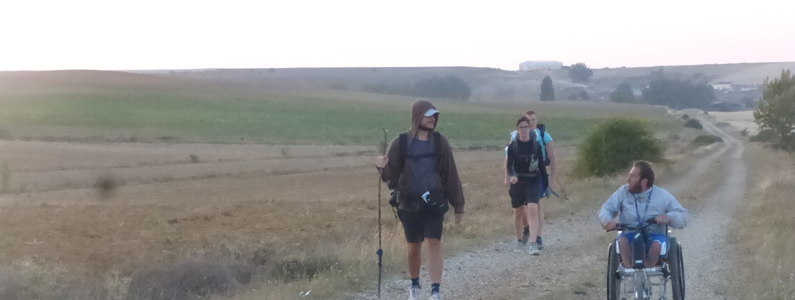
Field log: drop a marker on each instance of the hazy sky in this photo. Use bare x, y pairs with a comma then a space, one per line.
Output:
164, 34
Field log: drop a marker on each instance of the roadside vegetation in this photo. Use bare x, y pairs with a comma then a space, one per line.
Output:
766, 228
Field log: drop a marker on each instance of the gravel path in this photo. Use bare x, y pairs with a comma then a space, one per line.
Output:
704, 243
573, 265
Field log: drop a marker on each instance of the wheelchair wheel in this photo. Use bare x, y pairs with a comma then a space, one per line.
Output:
676, 266
613, 284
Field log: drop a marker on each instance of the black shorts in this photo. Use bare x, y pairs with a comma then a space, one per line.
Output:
525, 193
420, 225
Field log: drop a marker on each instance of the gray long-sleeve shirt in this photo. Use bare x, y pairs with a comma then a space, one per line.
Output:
623, 204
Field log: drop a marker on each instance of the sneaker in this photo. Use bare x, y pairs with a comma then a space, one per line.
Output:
539, 244
414, 293
436, 296
534, 249
520, 247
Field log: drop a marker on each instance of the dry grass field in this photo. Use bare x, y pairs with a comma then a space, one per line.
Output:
208, 215
277, 227
766, 227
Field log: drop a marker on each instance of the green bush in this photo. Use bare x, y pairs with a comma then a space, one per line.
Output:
706, 139
614, 145
693, 123
764, 136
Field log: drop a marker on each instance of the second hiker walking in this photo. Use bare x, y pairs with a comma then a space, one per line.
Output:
524, 176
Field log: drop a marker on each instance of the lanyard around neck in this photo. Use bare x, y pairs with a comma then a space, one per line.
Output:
645, 210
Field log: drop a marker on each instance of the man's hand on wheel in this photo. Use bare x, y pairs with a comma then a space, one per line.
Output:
663, 219
610, 225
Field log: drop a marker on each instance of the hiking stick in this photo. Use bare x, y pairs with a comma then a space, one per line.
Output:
565, 195
380, 251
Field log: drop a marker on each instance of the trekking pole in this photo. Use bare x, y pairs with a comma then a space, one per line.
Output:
380, 251
565, 195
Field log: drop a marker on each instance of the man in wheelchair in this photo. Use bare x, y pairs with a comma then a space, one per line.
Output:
637, 201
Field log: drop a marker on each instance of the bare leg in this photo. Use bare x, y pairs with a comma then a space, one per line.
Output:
626, 252
520, 220
435, 260
532, 216
540, 216
654, 254
415, 259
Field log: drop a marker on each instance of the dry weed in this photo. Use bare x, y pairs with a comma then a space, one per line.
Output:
766, 228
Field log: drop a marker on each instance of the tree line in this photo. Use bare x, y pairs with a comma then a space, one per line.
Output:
447, 87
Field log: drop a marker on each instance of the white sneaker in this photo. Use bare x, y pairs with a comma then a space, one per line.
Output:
520, 247
436, 296
414, 293
534, 249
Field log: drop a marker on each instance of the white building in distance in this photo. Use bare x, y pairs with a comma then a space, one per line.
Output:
722, 85
540, 65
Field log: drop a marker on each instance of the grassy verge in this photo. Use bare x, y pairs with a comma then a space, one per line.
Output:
766, 227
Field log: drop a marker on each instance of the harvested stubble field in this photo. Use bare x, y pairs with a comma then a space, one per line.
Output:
295, 198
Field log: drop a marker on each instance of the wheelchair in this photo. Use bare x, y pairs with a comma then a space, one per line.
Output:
640, 282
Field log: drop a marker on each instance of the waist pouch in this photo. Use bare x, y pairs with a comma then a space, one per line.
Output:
393, 200
436, 203
433, 202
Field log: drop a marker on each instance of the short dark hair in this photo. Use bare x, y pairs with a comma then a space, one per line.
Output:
646, 171
522, 119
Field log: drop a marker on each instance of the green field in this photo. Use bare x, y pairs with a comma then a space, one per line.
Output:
225, 114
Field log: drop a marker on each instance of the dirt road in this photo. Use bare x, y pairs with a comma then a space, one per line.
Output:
573, 265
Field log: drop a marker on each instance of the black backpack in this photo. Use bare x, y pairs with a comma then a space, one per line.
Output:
535, 163
403, 155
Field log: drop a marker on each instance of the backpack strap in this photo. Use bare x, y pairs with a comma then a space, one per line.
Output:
542, 129
437, 145
515, 145
404, 149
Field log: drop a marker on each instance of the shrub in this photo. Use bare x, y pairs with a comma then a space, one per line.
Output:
764, 136
706, 139
685, 117
106, 185
186, 279
775, 111
614, 145
693, 123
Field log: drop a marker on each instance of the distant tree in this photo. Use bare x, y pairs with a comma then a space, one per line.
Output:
679, 94
584, 96
623, 94
776, 111
580, 72
749, 102
659, 73
572, 97
547, 90
448, 87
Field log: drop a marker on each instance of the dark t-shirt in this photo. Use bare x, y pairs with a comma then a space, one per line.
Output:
423, 162
521, 162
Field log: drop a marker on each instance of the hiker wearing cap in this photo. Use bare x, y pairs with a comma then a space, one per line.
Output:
420, 165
